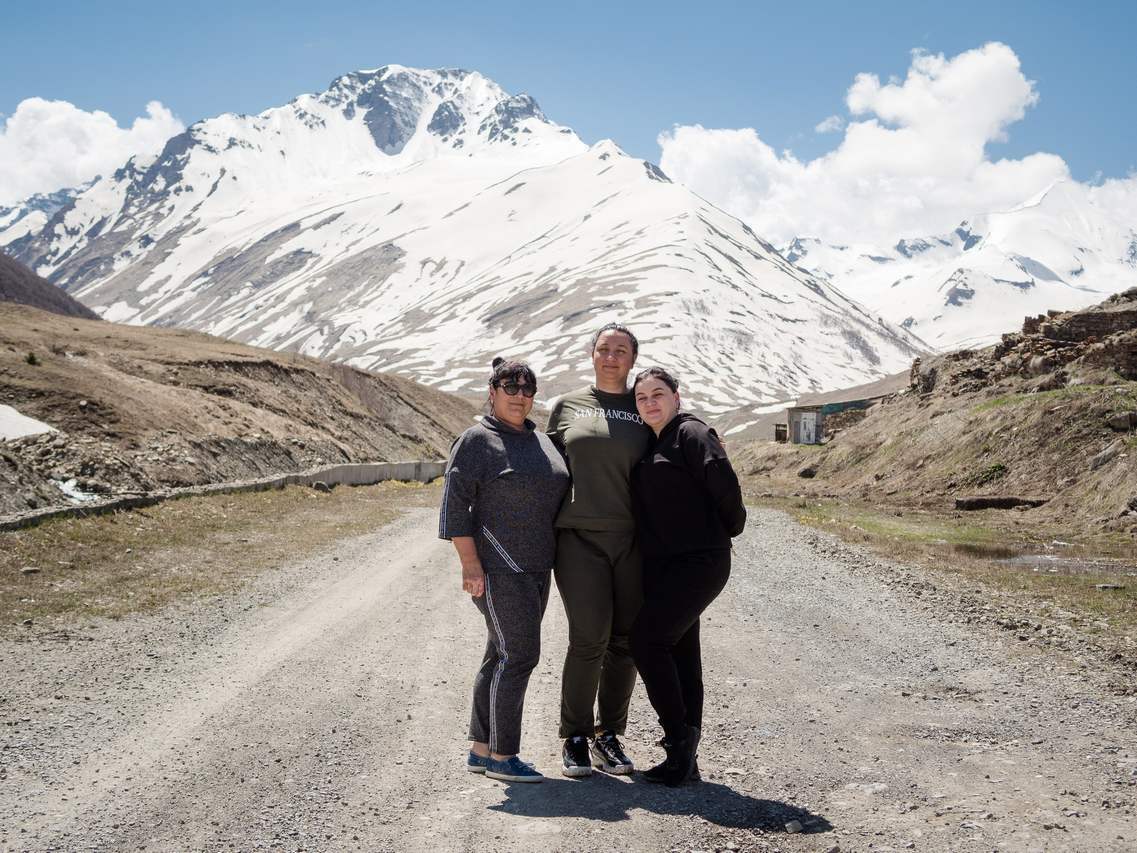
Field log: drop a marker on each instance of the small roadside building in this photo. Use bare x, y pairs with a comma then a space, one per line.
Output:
816, 417
805, 424
813, 424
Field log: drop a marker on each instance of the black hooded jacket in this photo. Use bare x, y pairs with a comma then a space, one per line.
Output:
685, 493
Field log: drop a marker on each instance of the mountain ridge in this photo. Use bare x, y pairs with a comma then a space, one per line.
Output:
1058, 250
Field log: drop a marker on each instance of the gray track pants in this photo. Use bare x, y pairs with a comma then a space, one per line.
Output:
513, 605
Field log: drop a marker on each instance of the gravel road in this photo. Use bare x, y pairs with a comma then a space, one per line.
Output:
324, 708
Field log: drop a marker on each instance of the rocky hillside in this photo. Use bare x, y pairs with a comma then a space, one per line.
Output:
138, 408
19, 284
1048, 415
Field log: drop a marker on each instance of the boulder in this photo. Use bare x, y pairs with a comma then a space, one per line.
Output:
1122, 421
1107, 455
1057, 379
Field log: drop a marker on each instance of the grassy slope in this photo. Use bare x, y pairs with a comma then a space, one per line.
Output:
916, 451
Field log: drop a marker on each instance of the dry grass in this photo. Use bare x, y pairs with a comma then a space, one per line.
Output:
138, 561
973, 550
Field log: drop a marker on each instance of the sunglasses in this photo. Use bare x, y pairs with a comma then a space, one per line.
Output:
512, 388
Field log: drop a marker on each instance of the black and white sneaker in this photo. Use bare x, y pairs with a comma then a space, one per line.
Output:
574, 757
608, 755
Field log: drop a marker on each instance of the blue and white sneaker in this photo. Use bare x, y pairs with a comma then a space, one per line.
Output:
477, 763
513, 769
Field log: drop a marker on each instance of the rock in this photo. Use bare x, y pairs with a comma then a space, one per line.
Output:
808, 472
1057, 379
30, 570
1107, 455
793, 826
1122, 421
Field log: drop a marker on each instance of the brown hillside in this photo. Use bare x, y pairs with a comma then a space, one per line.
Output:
139, 408
19, 284
1048, 414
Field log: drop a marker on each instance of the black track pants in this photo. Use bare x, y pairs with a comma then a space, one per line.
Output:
665, 637
513, 605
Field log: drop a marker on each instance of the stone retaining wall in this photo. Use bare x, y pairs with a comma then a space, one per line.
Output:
363, 474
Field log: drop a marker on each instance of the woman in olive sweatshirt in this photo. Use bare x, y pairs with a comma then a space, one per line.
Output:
598, 565
688, 505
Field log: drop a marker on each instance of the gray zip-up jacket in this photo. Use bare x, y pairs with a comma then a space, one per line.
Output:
504, 487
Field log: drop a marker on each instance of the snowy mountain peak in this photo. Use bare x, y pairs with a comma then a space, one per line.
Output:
456, 107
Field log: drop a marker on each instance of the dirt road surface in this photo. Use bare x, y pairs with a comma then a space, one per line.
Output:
324, 708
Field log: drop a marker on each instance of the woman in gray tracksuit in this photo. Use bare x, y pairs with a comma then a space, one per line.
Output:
504, 483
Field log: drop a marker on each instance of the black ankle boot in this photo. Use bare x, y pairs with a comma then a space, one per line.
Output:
655, 774
680, 758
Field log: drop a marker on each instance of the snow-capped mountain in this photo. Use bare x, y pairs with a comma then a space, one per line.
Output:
1058, 251
32, 214
424, 221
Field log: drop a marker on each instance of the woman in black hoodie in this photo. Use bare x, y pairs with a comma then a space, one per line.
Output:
688, 505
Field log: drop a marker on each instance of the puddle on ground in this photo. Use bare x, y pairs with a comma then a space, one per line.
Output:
987, 552
1052, 563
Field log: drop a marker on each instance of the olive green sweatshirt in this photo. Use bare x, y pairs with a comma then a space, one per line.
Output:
602, 436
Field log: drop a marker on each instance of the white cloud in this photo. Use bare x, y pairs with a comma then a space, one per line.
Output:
830, 125
47, 145
913, 159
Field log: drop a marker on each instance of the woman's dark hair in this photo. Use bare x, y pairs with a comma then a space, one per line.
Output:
518, 371
616, 327
660, 374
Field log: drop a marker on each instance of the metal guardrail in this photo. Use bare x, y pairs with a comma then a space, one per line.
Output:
362, 474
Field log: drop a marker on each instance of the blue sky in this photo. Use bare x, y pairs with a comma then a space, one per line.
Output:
622, 70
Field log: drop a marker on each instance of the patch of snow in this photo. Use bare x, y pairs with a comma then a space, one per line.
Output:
15, 425
71, 489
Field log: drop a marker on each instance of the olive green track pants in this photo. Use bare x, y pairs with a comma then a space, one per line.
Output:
600, 579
